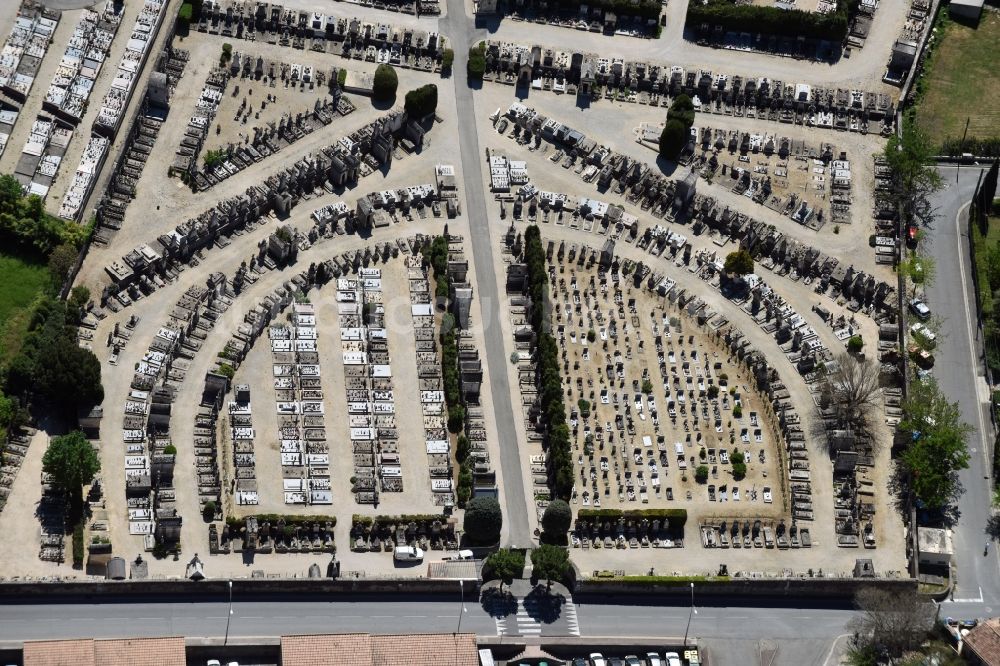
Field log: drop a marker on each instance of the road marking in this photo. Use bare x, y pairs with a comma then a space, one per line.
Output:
970, 325
571, 619
829, 654
978, 600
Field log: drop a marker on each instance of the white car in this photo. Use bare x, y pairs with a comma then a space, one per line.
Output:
460, 555
408, 554
654, 659
923, 331
919, 308
597, 659
673, 659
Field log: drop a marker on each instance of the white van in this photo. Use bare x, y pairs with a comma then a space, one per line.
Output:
408, 554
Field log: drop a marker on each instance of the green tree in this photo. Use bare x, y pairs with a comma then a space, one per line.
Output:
504, 565
701, 474
647, 386
919, 270
713, 392
61, 262
476, 66
72, 463
914, 178
184, 15
739, 262
938, 443
421, 101
10, 192
550, 563
673, 138
855, 343
213, 158
447, 60
385, 83
483, 520
557, 519
682, 109
462, 449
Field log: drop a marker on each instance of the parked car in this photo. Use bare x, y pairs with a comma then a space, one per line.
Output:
408, 554
919, 308
632, 660
924, 332
597, 659
673, 659
460, 555
653, 659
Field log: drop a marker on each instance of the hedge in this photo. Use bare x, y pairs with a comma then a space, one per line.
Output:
290, 519
677, 517
772, 20
410, 518
649, 9
78, 553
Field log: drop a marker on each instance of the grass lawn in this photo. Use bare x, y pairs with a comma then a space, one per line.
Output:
981, 245
22, 281
963, 81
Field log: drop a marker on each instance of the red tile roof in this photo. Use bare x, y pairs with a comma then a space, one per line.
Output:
381, 650
984, 641
114, 652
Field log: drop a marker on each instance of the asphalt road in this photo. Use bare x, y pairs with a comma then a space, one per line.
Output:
959, 371
817, 627
460, 30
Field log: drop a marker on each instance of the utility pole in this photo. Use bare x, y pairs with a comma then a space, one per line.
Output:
229, 615
960, 147
461, 610
691, 613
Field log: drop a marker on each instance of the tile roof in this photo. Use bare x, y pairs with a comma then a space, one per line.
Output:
383, 650
326, 650
140, 652
425, 650
115, 652
78, 652
983, 640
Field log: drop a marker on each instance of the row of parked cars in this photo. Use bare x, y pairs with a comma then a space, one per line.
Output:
651, 659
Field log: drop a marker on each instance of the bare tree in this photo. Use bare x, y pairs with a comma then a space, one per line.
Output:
892, 621
850, 395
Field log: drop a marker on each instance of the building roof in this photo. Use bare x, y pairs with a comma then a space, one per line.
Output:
425, 650
317, 650
935, 540
983, 640
59, 653
387, 650
115, 652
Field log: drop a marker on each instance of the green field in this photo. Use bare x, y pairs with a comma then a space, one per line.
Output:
981, 247
21, 281
963, 81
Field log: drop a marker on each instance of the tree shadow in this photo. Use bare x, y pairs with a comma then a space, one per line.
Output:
542, 605
992, 528
384, 104
498, 604
667, 167
488, 23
